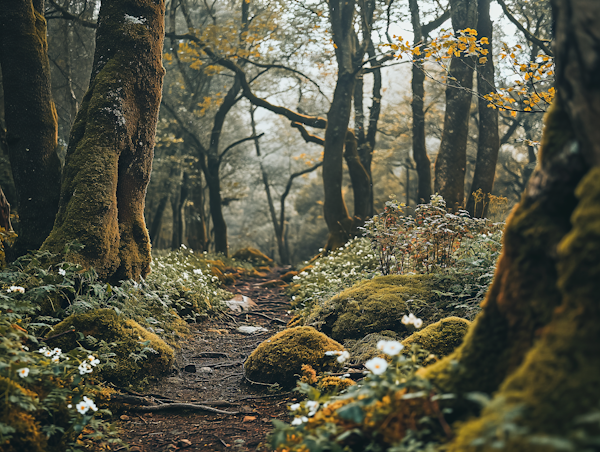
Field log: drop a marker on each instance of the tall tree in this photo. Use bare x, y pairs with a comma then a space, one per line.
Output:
451, 162
535, 345
30, 116
488, 140
109, 157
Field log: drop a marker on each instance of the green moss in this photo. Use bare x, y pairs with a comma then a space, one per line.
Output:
557, 381
371, 306
523, 295
440, 338
253, 256
128, 336
26, 435
280, 358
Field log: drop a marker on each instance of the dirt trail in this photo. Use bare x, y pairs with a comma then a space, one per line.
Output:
210, 373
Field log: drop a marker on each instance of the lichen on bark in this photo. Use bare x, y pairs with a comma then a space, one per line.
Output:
109, 157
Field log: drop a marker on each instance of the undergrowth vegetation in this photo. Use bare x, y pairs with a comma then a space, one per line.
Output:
54, 365
459, 252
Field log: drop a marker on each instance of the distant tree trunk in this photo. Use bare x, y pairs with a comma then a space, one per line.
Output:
418, 113
109, 157
361, 183
215, 203
339, 223
451, 162
488, 142
178, 213
196, 236
535, 347
4, 213
31, 120
156, 224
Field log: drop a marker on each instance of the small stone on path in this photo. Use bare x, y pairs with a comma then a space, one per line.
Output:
247, 329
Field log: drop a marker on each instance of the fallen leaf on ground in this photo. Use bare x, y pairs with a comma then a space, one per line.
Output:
249, 418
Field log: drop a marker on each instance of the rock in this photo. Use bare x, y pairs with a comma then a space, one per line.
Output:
247, 329
206, 370
240, 303
191, 368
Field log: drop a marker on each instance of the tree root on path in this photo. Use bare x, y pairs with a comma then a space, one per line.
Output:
181, 406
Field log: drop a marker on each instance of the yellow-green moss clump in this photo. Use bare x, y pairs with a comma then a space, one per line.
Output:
254, 256
440, 338
27, 435
280, 358
372, 306
129, 337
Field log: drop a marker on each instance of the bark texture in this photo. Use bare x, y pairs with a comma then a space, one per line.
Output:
451, 162
109, 157
488, 142
536, 345
418, 112
31, 120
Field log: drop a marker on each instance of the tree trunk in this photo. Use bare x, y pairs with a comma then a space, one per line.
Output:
109, 157
31, 120
361, 183
196, 236
178, 213
216, 205
488, 142
536, 344
451, 162
418, 112
157, 220
4, 213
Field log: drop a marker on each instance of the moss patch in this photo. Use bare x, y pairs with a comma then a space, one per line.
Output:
26, 435
280, 358
129, 337
372, 306
440, 338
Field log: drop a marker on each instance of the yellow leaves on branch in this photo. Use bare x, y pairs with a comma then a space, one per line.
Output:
531, 83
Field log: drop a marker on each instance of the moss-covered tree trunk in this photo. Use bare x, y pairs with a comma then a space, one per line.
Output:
109, 157
31, 121
451, 162
536, 345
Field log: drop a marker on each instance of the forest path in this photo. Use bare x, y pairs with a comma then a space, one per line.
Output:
210, 373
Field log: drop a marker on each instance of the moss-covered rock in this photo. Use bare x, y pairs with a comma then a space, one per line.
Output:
26, 434
372, 306
129, 337
253, 256
280, 358
440, 338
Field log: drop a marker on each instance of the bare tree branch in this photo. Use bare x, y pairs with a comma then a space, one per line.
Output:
69, 16
232, 145
308, 137
529, 35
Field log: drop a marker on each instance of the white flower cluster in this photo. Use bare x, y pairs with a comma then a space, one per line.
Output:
23, 372
342, 356
55, 354
62, 272
311, 405
88, 365
85, 405
16, 289
411, 319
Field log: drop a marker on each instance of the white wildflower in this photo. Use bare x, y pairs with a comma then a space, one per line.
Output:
197, 271
93, 360
294, 406
23, 372
90, 403
82, 407
418, 323
300, 420
16, 289
377, 365
391, 348
85, 368
343, 357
